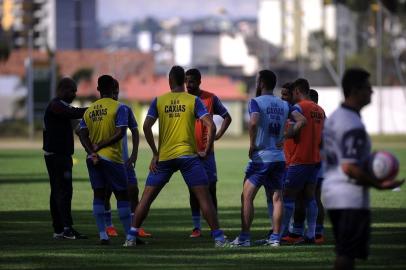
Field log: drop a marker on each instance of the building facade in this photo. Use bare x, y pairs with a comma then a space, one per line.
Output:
54, 24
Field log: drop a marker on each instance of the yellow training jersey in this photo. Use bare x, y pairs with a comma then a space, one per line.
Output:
177, 116
101, 120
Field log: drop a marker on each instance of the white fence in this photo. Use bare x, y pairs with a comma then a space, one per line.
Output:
392, 111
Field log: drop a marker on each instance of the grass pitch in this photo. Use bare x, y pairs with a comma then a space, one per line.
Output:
26, 233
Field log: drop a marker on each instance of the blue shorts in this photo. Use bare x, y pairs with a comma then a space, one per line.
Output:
191, 169
300, 175
268, 174
285, 173
131, 177
209, 165
320, 173
107, 174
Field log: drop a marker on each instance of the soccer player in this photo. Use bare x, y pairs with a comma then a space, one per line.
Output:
101, 130
314, 96
345, 190
58, 150
213, 106
298, 227
301, 174
286, 95
177, 111
268, 116
129, 164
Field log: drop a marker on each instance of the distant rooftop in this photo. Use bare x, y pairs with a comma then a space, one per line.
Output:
145, 90
120, 63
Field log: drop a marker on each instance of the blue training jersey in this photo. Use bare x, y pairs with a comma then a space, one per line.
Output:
273, 113
132, 124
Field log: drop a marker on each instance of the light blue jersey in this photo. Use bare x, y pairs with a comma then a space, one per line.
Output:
274, 113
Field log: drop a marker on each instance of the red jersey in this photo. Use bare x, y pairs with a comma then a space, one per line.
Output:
307, 148
213, 106
288, 149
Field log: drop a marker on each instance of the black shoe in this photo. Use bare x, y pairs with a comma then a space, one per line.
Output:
73, 234
306, 241
78, 235
104, 242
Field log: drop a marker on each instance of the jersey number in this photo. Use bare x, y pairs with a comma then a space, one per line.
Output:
274, 129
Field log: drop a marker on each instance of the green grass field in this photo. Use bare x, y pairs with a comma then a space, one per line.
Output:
26, 231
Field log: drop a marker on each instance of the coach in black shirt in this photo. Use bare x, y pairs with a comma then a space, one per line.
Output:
58, 150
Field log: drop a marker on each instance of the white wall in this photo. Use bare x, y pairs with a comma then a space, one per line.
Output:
11, 90
234, 52
270, 21
50, 21
144, 41
205, 49
393, 108
330, 27
183, 50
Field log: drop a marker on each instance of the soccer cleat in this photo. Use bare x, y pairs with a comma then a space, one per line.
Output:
196, 233
143, 233
111, 231
222, 244
104, 242
72, 234
78, 235
292, 238
130, 243
261, 242
238, 243
58, 235
273, 243
319, 239
68, 234
265, 240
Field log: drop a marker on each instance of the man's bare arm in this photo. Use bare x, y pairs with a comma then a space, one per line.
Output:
224, 126
207, 121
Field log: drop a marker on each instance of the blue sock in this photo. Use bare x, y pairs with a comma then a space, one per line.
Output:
132, 233
275, 236
319, 229
311, 217
124, 212
270, 210
289, 208
218, 235
98, 212
298, 228
196, 219
244, 236
107, 218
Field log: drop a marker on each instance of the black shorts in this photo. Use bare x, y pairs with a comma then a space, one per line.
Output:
351, 228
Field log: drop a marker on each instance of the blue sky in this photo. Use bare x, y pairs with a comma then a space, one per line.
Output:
127, 10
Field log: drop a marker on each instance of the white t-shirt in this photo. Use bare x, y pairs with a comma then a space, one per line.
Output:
345, 140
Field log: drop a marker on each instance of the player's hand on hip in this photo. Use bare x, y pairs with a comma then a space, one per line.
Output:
154, 164
130, 163
95, 158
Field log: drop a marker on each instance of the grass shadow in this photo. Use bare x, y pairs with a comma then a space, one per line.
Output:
26, 243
